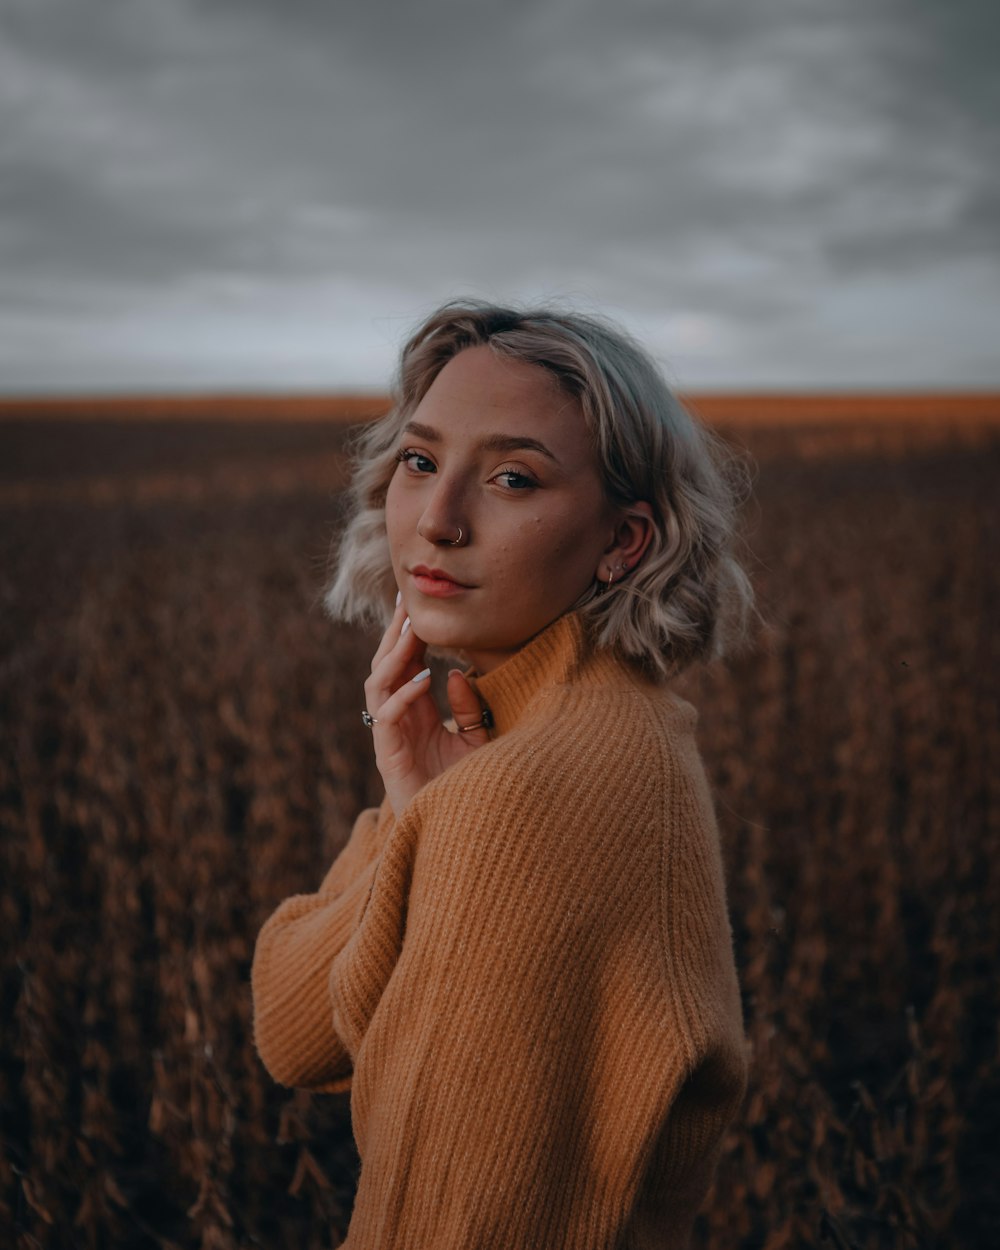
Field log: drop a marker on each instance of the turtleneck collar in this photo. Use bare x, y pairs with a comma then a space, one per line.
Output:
551, 658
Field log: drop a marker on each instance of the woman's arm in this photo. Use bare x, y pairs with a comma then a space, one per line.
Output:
293, 1024
293, 1028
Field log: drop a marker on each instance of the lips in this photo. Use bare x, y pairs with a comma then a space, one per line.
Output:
436, 583
437, 575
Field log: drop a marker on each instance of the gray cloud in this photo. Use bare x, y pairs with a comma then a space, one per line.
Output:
259, 193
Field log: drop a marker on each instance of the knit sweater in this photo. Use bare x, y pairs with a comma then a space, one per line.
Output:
526, 980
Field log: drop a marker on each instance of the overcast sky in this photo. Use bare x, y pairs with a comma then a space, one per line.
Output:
268, 194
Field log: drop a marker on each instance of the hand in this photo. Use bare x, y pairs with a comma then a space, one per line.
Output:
411, 743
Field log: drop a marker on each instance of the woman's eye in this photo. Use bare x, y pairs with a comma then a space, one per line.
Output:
414, 461
512, 480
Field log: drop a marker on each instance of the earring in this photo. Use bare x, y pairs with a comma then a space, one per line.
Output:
606, 586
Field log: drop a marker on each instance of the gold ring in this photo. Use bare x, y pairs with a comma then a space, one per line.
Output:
484, 722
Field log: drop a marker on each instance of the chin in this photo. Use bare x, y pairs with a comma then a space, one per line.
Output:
447, 639
442, 639
434, 626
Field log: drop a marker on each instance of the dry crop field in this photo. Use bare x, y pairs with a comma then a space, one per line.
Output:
182, 750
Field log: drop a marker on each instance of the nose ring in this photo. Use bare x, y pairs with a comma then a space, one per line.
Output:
453, 542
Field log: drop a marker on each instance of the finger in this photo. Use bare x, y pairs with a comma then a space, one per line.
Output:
395, 707
392, 632
401, 662
466, 707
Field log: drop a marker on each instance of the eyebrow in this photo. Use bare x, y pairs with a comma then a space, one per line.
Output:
492, 442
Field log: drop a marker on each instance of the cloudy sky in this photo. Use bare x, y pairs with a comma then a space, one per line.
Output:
267, 194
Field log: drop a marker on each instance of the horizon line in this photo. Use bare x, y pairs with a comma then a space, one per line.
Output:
357, 406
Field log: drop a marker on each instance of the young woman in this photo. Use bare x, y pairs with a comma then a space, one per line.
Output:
521, 963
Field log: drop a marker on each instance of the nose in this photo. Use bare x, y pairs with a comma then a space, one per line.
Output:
443, 521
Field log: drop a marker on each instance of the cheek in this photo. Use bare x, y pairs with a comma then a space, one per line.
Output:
543, 554
396, 520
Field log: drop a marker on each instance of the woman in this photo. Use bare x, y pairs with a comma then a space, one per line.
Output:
521, 964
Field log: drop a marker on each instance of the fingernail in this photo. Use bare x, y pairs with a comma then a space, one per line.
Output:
453, 671
422, 676
406, 626
399, 597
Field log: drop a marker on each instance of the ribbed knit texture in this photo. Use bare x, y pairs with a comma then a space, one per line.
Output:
527, 980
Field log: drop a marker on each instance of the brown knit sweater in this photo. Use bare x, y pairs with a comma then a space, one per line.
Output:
527, 980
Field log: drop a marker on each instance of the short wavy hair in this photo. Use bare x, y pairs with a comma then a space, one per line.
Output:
688, 598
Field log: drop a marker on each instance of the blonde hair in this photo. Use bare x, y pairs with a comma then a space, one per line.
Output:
688, 598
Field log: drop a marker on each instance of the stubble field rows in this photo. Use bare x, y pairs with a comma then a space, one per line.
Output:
182, 750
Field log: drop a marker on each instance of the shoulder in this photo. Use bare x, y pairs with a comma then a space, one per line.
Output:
592, 759
608, 724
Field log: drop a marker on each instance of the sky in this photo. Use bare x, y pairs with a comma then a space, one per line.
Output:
268, 195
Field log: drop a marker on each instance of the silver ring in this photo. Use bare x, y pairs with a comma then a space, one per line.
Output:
367, 719
453, 542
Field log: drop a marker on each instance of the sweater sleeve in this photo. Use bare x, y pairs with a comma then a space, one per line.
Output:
293, 1026
521, 1051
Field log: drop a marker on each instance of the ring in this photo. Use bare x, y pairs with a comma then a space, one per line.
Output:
484, 722
367, 719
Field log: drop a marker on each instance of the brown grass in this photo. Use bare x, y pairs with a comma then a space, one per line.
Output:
814, 408
342, 408
182, 750
717, 408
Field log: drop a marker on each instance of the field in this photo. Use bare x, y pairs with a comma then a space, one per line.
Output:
182, 750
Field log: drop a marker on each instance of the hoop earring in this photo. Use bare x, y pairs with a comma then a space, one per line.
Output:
603, 589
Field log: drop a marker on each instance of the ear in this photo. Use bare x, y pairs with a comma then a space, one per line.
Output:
632, 535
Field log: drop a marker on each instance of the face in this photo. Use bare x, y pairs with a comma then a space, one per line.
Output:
497, 450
